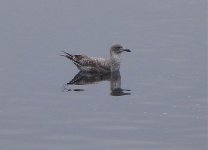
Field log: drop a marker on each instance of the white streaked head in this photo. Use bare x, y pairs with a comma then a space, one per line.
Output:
117, 49
115, 52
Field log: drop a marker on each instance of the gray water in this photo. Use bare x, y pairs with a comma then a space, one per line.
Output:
165, 75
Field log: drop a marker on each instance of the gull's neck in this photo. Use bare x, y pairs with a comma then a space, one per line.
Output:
115, 60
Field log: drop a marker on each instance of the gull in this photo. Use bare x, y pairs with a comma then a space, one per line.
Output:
97, 64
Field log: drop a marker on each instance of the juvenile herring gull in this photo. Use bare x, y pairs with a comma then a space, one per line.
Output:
96, 64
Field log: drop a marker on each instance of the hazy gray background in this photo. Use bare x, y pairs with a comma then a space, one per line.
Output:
166, 73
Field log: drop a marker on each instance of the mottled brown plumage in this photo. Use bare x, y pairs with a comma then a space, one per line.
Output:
97, 64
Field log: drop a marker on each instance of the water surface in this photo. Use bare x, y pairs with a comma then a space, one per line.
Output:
165, 75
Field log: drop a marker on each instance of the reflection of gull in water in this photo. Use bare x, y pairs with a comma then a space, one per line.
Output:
96, 64
84, 78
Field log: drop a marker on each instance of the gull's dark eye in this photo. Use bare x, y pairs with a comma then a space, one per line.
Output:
118, 47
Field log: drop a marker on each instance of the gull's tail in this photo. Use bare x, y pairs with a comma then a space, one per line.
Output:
67, 55
74, 58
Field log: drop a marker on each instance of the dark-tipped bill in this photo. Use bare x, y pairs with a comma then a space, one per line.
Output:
127, 50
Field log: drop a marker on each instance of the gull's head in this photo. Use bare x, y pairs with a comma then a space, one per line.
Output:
118, 49
115, 53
